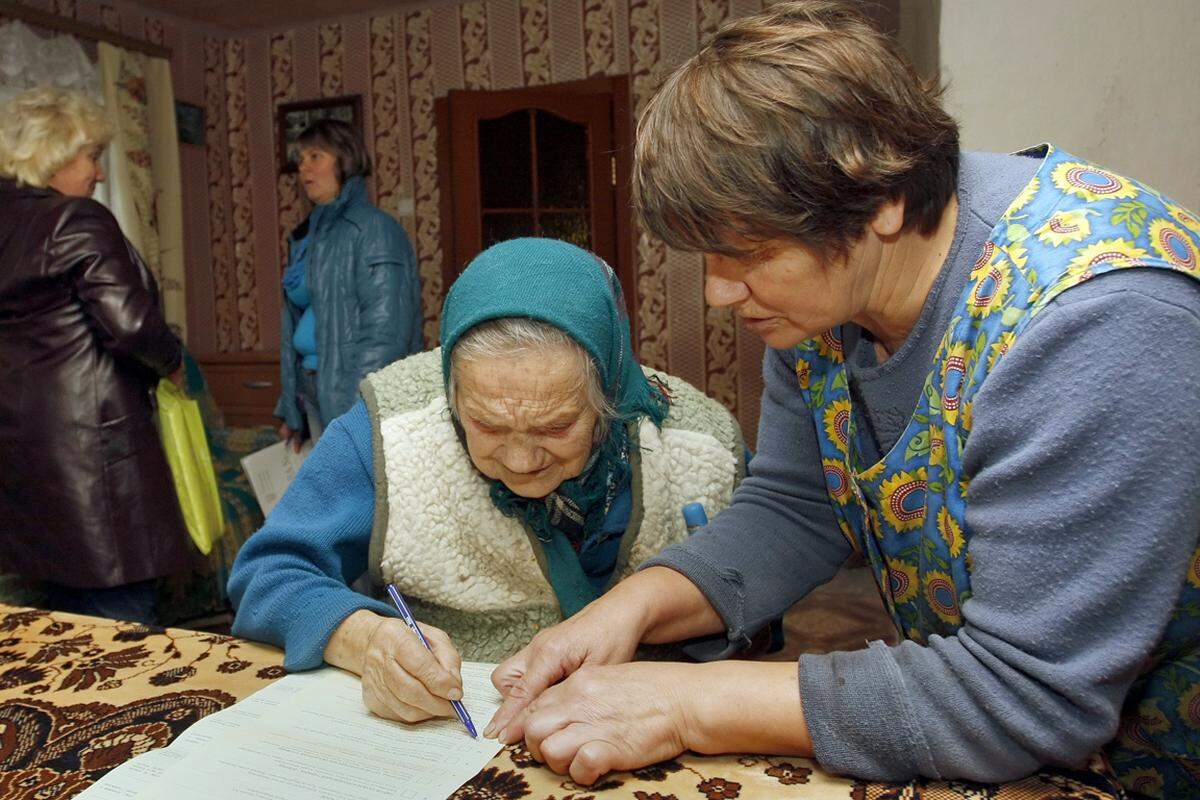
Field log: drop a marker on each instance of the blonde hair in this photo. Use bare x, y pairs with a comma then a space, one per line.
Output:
799, 121
43, 129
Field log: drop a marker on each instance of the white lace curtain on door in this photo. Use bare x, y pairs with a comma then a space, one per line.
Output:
27, 60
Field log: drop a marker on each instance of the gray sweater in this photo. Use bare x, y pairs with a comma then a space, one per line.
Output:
1083, 506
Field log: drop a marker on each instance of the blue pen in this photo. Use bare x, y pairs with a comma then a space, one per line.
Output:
406, 615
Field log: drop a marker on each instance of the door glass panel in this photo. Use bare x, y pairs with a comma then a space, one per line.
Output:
572, 228
498, 227
562, 159
506, 161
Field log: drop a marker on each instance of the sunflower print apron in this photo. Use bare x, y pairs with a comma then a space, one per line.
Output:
906, 514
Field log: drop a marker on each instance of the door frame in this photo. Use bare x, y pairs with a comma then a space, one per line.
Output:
615, 90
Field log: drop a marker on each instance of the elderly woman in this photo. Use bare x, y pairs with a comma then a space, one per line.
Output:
501, 483
86, 499
352, 300
980, 377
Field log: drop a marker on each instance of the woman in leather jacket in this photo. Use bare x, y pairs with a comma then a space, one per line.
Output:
87, 503
352, 299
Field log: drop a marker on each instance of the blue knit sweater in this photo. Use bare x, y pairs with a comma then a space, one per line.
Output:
1084, 520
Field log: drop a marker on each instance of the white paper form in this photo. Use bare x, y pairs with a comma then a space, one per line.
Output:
323, 743
126, 780
271, 471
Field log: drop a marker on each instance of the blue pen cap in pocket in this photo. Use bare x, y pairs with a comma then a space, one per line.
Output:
694, 516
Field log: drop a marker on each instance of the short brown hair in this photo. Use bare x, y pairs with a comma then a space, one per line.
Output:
800, 121
343, 142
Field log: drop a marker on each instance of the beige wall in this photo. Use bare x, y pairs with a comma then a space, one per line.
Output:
1113, 81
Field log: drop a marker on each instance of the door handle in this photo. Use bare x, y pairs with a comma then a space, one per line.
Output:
258, 384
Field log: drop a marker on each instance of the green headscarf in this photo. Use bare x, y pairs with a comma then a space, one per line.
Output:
576, 292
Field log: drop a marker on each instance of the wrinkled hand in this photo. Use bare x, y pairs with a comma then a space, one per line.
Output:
595, 635
616, 717
292, 436
402, 680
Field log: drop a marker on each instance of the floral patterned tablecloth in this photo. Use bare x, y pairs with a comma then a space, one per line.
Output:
79, 695
514, 775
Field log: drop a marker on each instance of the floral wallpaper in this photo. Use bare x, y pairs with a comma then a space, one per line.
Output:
412, 57
399, 62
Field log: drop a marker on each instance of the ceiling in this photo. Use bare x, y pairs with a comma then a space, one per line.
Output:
243, 14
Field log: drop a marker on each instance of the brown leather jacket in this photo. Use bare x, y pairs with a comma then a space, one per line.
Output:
86, 497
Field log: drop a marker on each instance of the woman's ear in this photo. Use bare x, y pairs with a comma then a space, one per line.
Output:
889, 219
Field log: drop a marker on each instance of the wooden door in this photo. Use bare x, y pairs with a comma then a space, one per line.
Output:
544, 161
550, 160
532, 163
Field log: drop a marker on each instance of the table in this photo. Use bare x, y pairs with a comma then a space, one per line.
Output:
79, 695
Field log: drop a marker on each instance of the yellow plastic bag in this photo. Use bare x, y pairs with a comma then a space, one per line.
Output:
182, 432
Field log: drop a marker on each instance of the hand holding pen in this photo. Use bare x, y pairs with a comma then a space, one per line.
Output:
406, 615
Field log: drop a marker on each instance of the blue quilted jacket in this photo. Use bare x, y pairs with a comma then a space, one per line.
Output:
362, 277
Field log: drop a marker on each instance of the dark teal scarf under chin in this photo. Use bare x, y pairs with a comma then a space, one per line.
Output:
575, 291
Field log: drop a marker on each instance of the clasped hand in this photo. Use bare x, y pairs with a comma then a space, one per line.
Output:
610, 717
582, 710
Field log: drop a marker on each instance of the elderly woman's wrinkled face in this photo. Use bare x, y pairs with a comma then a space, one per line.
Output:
526, 419
81, 174
319, 175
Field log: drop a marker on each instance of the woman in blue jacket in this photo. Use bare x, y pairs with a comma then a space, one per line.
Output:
352, 298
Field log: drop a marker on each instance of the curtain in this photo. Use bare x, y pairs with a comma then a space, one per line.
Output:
144, 188
28, 60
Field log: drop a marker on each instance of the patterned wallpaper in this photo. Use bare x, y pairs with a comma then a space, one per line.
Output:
401, 61
240, 209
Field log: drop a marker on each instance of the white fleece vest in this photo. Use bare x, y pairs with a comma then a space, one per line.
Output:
480, 575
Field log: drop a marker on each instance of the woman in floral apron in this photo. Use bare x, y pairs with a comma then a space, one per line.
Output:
980, 377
